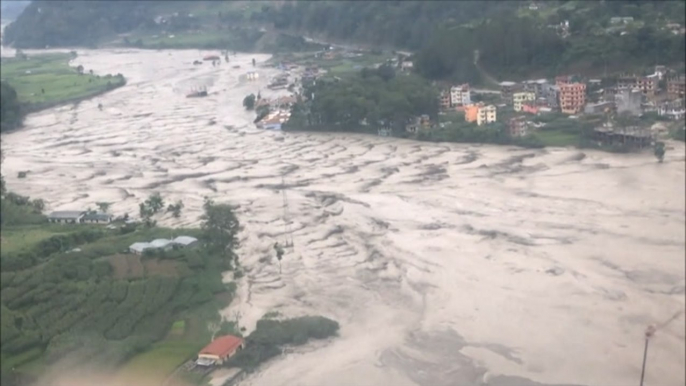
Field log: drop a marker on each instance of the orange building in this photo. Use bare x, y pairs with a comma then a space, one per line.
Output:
471, 112
572, 97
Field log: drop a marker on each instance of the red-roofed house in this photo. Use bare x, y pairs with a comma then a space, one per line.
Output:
219, 350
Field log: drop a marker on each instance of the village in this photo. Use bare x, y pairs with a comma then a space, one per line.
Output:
658, 95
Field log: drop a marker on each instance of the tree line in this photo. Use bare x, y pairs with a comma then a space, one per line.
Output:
369, 100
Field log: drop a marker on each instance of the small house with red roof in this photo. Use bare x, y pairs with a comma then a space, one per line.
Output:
219, 350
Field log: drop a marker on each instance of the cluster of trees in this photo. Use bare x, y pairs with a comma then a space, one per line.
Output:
11, 115
16, 209
371, 99
271, 335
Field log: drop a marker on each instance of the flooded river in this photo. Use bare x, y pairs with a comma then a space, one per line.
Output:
445, 264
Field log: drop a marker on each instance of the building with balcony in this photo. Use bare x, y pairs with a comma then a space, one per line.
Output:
460, 95
518, 127
676, 86
444, 100
572, 97
480, 113
519, 98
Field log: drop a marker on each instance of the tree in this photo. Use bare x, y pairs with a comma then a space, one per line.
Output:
103, 206
279, 254
38, 204
90, 71
249, 102
253, 62
221, 227
659, 151
79, 69
155, 202
175, 209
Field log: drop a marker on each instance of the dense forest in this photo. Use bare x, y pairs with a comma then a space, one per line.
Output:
510, 39
371, 99
11, 115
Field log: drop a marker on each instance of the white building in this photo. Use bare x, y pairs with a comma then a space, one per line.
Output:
486, 114
460, 95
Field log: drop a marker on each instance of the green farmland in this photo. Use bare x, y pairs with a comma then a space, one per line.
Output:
48, 79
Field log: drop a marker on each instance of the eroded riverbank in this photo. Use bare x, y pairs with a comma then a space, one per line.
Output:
445, 264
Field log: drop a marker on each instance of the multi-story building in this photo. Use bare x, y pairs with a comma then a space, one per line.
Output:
647, 84
480, 113
460, 95
487, 114
676, 86
629, 101
507, 89
572, 97
518, 127
551, 94
519, 98
535, 86
444, 100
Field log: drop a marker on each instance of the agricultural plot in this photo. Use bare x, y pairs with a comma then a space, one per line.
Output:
47, 79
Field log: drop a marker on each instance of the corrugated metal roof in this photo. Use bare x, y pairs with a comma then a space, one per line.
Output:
160, 243
139, 247
185, 240
66, 214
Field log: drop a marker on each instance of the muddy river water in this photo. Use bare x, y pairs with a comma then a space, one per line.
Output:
445, 264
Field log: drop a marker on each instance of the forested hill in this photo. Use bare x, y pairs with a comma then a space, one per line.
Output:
513, 38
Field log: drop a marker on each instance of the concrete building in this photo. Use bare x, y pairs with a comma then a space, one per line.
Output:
535, 86
460, 95
519, 98
550, 93
518, 126
647, 84
572, 97
219, 350
673, 110
480, 113
598, 108
676, 86
444, 100
629, 101
507, 89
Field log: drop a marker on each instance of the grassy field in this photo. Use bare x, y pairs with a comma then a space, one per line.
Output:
557, 138
19, 238
48, 79
185, 339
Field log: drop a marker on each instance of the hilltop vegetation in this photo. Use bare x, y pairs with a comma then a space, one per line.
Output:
511, 39
365, 101
11, 115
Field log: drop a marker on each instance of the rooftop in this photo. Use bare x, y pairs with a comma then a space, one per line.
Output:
185, 240
66, 214
222, 346
97, 216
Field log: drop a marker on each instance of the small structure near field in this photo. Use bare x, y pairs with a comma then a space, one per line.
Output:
185, 241
219, 350
163, 244
66, 216
97, 218
79, 217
